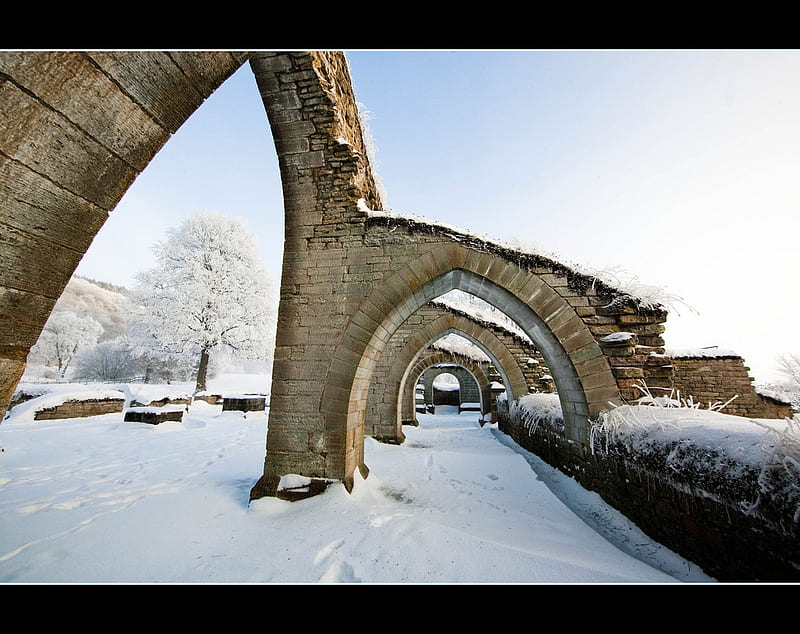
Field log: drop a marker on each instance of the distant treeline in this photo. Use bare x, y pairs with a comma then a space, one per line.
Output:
109, 287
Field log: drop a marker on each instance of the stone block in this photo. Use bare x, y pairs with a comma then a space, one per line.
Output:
244, 403
154, 415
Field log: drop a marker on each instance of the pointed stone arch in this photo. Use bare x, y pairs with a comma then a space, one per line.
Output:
583, 376
387, 421
77, 129
431, 358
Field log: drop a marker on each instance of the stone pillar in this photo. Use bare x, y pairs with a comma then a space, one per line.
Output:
325, 172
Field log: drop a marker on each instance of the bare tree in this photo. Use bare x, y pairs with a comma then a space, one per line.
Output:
789, 366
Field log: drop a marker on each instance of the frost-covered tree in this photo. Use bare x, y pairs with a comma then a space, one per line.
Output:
789, 366
107, 361
207, 291
64, 334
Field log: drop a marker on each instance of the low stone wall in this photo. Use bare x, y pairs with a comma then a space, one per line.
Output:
248, 403
154, 415
702, 524
211, 399
81, 409
164, 402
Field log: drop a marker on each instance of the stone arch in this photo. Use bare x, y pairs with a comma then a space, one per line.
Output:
465, 380
78, 128
385, 423
433, 358
584, 379
507, 366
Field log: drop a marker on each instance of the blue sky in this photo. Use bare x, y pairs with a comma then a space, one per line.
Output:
680, 167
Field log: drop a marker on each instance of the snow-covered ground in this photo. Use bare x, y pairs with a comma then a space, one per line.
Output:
99, 500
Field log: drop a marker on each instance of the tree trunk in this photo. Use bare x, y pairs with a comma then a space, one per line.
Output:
202, 370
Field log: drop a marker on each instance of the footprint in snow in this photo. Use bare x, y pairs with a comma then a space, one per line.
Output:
339, 572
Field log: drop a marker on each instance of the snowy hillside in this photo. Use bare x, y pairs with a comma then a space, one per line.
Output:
107, 306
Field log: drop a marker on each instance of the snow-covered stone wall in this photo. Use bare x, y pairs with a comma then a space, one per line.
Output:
708, 518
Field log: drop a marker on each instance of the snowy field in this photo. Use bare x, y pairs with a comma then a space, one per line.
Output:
99, 500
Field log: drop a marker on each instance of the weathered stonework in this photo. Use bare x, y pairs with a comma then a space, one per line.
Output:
402, 361
76, 128
468, 390
252, 403
705, 522
80, 409
154, 415
716, 380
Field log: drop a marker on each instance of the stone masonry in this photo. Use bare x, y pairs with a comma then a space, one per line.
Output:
710, 380
76, 128
393, 376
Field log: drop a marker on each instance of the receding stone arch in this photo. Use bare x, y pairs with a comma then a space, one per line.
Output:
385, 422
401, 380
584, 379
466, 382
432, 358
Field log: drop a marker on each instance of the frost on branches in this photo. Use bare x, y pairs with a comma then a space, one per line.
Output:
207, 291
64, 335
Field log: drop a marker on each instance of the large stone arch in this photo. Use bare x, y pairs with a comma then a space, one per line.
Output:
76, 130
575, 361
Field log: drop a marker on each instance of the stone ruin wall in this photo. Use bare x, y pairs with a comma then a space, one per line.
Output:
710, 380
706, 526
81, 409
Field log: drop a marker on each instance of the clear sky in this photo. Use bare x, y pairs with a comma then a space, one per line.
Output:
680, 167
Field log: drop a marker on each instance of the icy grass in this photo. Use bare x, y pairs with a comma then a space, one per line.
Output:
533, 410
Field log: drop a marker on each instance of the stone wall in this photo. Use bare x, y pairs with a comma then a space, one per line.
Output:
704, 524
711, 379
81, 409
